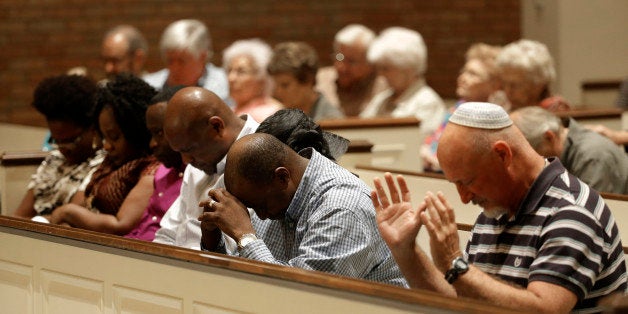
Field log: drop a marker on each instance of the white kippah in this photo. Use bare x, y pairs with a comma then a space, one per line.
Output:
481, 115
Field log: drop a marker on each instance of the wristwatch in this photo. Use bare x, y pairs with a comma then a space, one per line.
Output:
245, 239
459, 266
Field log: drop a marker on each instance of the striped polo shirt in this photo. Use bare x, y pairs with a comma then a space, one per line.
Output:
563, 233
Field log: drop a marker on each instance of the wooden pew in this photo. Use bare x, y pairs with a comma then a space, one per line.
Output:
54, 269
16, 169
597, 92
396, 141
608, 116
15, 137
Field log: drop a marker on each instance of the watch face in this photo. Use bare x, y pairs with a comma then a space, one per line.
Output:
460, 264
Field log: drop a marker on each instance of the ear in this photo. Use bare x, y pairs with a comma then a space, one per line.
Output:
217, 124
282, 177
549, 137
139, 56
504, 153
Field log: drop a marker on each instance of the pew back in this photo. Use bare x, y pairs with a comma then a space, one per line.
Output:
396, 141
16, 169
53, 269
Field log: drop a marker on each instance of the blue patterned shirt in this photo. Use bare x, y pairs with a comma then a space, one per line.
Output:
329, 226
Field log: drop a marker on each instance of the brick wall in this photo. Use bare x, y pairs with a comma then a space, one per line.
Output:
39, 38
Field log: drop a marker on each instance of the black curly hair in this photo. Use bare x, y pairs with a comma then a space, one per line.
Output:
128, 96
297, 130
67, 98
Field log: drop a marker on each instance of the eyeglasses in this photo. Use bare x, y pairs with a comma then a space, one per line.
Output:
66, 143
340, 57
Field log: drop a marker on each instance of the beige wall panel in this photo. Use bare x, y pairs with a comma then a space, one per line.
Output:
202, 308
16, 288
127, 300
65, 293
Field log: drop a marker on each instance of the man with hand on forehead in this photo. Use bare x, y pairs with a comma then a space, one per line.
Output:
545, 241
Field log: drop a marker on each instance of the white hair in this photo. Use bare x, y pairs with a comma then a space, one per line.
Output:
354, 34
530, 56
400, 46
534, 121
255, 48
189, 35
259, 52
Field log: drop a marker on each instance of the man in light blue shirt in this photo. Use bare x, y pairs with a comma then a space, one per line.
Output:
309, 212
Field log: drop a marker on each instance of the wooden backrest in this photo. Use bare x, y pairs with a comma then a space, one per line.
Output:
54, 269
600, 92
608, 116
16, 169
396, 141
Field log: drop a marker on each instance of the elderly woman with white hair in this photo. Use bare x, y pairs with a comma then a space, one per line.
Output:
186, 48
249, 83
527, 72
400, 55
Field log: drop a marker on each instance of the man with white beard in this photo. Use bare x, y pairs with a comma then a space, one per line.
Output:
545, 241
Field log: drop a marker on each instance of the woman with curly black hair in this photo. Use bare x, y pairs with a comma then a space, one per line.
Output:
67, 102
119, 190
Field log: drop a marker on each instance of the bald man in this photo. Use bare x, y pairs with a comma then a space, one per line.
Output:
545, 242
124, 50
310, 212
202, 128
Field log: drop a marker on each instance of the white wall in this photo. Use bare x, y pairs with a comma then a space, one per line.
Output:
588, 40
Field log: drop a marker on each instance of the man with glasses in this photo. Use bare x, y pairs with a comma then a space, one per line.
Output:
352, 81
124, 50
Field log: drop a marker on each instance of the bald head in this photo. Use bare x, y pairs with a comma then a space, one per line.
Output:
255, 157
200, 126
124, 50
264, 174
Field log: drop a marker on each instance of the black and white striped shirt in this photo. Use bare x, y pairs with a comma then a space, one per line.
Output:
563, 233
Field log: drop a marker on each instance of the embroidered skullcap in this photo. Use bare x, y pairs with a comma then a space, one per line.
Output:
481, 115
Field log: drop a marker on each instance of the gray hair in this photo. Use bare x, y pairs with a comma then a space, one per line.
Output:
189, 35
402, 47
531, 56
354, 34
133, 36
534, 121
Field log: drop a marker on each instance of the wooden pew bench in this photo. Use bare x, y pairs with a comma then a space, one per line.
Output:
16, 169
608, 116
54, 269
396, 141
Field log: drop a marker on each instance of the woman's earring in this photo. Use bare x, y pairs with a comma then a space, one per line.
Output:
95, 143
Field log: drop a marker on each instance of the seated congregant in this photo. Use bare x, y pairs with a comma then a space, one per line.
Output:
293, 68
119, 190
169, 175
591, 157
249, 83
186, 48
545, 242
67, 102
478, 81
352, 81
309, 212
400, 56
526, 70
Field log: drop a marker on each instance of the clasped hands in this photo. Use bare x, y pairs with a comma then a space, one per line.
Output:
399, 223
224, 212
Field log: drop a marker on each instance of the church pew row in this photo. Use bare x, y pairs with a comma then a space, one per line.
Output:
419, 183
16, 168
55, 269
396, 141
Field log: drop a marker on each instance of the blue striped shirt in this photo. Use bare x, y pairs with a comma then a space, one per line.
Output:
563, 233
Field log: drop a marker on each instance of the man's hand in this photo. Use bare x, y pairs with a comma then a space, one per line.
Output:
227, 213
397, 221
440, 221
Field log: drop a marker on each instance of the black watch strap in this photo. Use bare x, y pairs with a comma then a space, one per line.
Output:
459, 266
